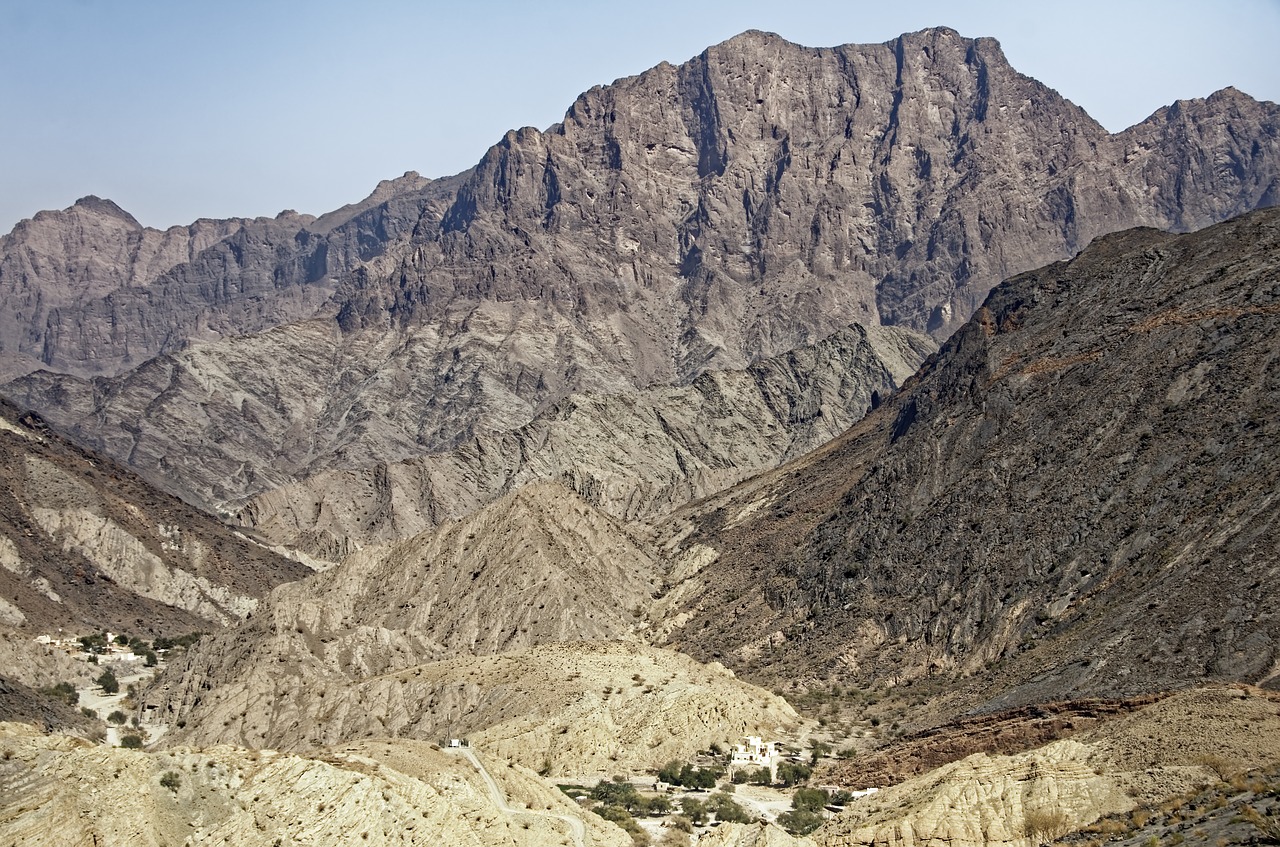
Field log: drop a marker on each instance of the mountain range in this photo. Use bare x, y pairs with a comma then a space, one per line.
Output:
878, 370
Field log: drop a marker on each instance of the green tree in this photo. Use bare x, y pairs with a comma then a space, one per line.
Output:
800, 823
726, 809
117, 717
659, 806
108, 682
790, 773
131, 742
809, 799
694, 809
620, 816
621, 794
762, 777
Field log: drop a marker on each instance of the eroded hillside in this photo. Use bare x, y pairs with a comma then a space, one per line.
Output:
1074, 496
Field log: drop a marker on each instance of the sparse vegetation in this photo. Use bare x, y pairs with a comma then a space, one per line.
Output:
1045, 825
171, 780
178, 642
1267, 825
64, 691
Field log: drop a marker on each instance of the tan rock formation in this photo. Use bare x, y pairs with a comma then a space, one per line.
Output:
56, 790
561, 708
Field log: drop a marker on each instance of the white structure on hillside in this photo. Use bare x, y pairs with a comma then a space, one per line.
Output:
755, 753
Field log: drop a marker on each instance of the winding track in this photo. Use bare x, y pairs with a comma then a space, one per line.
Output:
576, 827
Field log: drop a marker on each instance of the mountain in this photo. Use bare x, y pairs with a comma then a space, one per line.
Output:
635, 455
755, 200
1074, 497
89, 291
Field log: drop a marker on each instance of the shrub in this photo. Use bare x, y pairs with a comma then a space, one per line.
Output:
88, 713
131, 742
1268, 826
171, 780
1045, 825
117, 717
618, 815
64, 691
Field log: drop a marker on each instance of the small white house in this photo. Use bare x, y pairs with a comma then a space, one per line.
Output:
755, 753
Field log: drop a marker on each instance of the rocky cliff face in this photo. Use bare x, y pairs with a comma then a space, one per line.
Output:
1073, 497
635, 455
754, 200
89, 291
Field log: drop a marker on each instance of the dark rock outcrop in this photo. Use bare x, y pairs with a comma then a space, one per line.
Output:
1074, 497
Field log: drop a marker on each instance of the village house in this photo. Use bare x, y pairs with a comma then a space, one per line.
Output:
755, 753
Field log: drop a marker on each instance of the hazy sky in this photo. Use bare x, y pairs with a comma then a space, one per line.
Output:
179, 109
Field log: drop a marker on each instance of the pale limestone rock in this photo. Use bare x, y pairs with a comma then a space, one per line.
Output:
62, 791
982, 801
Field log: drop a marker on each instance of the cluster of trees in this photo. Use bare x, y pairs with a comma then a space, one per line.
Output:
720, 804
688, 776
806, 811
789, 774
622, 795
620, 802
96, 644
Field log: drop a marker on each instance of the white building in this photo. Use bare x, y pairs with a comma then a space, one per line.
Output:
755, 753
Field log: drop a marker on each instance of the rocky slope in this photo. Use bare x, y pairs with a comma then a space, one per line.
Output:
540, 596
86, 544
1138, 760
636, 455
751, 201
59, 790
565, 709
1073, 498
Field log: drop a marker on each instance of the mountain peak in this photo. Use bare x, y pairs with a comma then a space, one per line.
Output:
98, 205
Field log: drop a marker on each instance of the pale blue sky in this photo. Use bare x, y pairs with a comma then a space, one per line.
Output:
178, 109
